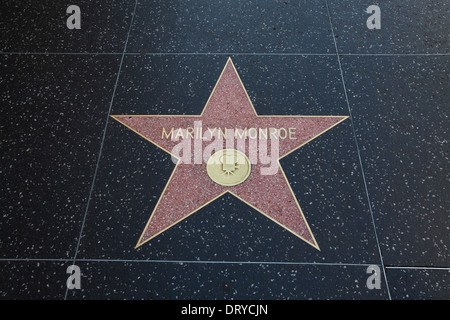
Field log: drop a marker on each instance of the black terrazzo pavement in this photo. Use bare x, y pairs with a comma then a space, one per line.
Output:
78, 187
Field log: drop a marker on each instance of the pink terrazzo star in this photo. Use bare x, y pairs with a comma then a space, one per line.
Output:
190, 188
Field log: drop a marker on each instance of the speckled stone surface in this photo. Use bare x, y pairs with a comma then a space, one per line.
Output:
419, 284
180, 281
33, 27
336, 181
229, 26
33, 280
281, 84
51, 129
401, 116
407, 27
78, 187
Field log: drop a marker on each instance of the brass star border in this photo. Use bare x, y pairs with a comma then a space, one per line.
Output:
228, 97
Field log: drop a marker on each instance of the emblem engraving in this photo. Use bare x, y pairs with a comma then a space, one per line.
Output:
228, 167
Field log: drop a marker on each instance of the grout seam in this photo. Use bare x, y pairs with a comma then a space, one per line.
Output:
102, 143
358, 150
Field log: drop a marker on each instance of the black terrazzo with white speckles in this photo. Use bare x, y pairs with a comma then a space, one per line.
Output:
401, 116
54, 109
33, 280
419, 284
52, 130
277, 85
41, 27
231, 26
179, 281
228, 229
407, 27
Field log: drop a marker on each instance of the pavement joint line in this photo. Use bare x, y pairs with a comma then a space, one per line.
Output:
418, 268
103, 140
358, 150
223, 262
195, 261
73, 260
227, 54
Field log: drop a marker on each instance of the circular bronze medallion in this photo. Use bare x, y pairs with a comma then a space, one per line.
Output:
228, 167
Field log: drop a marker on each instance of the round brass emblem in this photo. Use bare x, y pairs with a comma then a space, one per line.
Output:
228, 167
